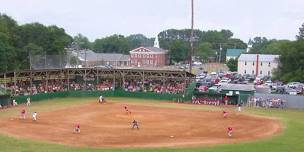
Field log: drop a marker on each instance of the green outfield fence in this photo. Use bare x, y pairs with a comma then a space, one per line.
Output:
116, 93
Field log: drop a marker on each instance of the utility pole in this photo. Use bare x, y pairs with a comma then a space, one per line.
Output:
85, 57
191, 36
220, 57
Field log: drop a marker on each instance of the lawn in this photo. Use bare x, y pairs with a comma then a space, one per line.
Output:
290, 140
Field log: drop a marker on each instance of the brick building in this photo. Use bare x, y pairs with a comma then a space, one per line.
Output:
149, 56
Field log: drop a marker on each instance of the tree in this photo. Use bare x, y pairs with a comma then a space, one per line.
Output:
28, 52
112, 44
301, 33
291, 62
73, 61
137, 40
3, 57
178, 51
205, 50
18, 41
232, 64
259, 44
218, 39
82, 41
275, 47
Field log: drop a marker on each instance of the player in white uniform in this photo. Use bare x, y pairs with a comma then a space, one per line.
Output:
15, 103
35, 116
239, 108
101, 99
28, 101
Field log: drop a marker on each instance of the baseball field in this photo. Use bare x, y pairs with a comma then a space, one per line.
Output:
164, 126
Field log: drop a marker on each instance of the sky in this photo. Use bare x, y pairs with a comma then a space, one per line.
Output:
279, 19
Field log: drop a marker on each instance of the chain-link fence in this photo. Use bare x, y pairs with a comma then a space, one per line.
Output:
292, 101
48, 61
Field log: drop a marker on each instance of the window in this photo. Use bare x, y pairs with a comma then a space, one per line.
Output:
268, 64
253, 63
252, 71
245, 72
261, 63
245, 62
261, 72
268, 73
151, 61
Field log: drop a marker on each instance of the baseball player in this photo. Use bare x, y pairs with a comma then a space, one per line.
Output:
15, 103
127, 110
28, 101
229, 131
35, 116
101, 99
239, 108
225, 114
77, 128
22, 116
135, 124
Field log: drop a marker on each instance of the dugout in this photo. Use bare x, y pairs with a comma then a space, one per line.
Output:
237, 93
4, 97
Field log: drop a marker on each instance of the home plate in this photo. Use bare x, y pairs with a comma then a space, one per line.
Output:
171, 136
12, 118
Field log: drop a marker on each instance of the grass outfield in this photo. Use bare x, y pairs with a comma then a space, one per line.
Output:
291, 139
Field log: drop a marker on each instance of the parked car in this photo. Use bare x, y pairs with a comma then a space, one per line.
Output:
268, 83
293, 84
224, 81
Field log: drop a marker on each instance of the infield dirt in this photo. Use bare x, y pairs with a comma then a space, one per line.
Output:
108, 125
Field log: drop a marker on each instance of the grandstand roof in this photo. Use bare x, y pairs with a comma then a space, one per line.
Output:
238, 87
90, 55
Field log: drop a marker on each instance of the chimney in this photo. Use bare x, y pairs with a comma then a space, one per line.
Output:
257, 65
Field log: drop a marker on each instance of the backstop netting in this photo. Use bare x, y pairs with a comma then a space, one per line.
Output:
48, 61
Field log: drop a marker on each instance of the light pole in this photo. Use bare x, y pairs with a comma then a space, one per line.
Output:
191, 36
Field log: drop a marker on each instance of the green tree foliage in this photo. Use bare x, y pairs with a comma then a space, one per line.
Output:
232, 64
291, 62
112, 44
205, 50
3, 57
137, 40
178, 51
218, 39
301, 33
82, 41
73, 61
262, 45
258, 44
17, 42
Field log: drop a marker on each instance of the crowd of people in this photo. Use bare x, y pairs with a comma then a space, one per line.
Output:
25, 88
155, 86
267, 102
207, 101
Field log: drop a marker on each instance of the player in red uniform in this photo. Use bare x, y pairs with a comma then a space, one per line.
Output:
229, 131
77, 128
22, 116
225, 114
127, 110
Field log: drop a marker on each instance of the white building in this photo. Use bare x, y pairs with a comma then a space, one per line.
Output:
257, 64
